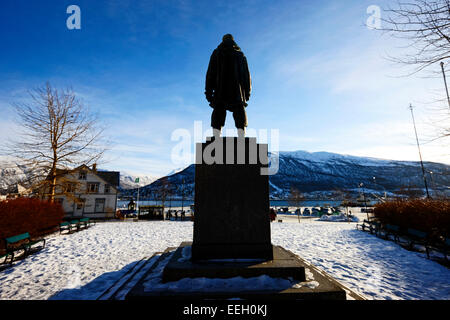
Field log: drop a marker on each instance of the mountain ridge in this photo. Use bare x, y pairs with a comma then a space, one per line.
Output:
325, 173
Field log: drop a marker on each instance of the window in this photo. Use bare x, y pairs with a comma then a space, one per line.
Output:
82, 175
70, 188
100, 205
59, 200
80, 203
107, 188
92, 187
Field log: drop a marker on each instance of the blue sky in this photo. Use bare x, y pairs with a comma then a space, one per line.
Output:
320, 76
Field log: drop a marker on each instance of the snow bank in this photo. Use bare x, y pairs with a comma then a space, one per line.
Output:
338, 218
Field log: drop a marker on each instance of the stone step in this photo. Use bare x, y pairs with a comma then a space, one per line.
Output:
318, 285
125, 283
283, 265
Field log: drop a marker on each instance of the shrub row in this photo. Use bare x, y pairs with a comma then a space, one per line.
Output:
28, 215
431, 216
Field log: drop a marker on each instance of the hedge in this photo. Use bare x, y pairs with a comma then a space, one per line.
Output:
28, 215
431, 216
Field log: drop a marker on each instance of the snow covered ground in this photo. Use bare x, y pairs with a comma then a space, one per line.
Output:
84, 264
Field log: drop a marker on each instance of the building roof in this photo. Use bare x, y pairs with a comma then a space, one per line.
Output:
111, 177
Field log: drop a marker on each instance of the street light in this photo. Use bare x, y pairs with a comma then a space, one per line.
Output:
384, 189
361, 185
433, 184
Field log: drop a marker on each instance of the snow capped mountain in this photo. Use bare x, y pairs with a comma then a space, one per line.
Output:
324, 173
324, 157
127, 181
11, 172
315, 174
175, 171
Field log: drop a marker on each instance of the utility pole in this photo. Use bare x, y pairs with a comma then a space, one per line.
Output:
182, 194
445, 82
420, 154
433, 185
361, 185
137, 200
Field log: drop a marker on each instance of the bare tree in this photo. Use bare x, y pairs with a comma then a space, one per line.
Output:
57, 133
426, 26
296, 198
164, 190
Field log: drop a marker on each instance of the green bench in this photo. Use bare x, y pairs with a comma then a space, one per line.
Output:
22, 242
372, 226
442, 247
67, 226
75, 224
418, 237
86, 222
72, 225
390, 229
5, 256
64, 226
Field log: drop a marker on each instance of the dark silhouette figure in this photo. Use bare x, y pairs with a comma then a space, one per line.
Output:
131, 205
228, 84
272, 214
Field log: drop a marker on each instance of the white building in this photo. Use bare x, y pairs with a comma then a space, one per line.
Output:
86, 192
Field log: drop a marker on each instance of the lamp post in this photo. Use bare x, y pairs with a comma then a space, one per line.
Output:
364, 197
420, 154
384, 189
445, 82
182, 195
137, 200
433, 184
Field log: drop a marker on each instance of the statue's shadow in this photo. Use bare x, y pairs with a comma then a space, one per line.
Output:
95, 288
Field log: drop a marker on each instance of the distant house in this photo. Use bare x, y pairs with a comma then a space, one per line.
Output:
86, 192
15, 191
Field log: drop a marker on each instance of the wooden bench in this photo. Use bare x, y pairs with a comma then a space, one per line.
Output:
84, 223
87, 222
390, 229
22, 242
75, 224
375, 227
65, 226
372, 226
363, 225
5, 256
418, 237
443, 247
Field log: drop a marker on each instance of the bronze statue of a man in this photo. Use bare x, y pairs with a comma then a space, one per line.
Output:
228, 85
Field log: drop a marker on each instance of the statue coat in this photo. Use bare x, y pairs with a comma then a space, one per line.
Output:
228, 82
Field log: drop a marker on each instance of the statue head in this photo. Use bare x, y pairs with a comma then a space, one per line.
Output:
227, 37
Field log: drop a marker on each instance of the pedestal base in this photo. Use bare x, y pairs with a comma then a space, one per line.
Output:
283, 265
172, 265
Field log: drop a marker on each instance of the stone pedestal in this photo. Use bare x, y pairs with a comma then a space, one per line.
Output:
155, 285
232, 239
231, 200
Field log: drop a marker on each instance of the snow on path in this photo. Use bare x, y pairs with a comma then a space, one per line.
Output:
84, 264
